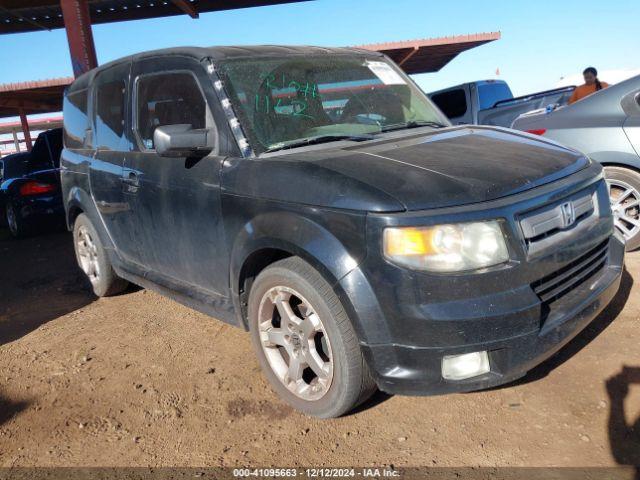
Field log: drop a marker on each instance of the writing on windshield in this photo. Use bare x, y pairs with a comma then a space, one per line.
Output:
292, 98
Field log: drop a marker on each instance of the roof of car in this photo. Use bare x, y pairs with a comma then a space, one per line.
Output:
15, 156
223, 53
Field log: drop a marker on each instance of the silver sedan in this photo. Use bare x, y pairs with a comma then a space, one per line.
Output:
606, 127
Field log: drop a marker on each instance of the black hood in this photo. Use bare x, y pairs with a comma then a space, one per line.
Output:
457, 166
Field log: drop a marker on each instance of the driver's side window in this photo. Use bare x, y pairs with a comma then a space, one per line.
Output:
167, 99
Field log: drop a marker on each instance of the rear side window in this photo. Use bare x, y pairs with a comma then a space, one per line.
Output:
74, 110
40, 158
110, 108
452, 103
491, 93
168, 99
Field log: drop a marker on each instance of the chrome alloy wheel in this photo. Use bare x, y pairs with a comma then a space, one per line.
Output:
625, 204
295, 343
88, 255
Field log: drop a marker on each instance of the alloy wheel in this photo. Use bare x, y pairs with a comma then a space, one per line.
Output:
12, 220
295, 343
88, 255
625, 204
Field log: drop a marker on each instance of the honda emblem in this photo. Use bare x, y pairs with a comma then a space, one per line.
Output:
568, 214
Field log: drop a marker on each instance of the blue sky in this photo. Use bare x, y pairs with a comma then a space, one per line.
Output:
541, 40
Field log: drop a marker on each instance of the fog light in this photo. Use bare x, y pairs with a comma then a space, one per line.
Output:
459, 367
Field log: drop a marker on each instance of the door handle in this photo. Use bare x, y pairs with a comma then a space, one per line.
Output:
131, 178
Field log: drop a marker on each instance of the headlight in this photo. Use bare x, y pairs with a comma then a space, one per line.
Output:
447, 248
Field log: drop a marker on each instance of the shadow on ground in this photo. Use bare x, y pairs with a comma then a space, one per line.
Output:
9, 408
624, 436
40, 282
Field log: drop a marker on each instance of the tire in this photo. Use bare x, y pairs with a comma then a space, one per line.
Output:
624, 193
323, 337
93, 260
18, 227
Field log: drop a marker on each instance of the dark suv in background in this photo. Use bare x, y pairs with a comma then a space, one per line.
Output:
30, 194
317, 198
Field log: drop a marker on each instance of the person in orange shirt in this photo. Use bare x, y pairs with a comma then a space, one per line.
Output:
591, 85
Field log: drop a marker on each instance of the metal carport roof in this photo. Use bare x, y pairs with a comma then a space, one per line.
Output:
42, 96
431, 54
30, 15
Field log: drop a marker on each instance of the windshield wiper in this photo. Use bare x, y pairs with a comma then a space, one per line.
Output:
318, 139
413, 124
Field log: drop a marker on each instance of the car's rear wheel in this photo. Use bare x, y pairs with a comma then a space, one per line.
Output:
624, 193
17, 225
305, 342
93, 260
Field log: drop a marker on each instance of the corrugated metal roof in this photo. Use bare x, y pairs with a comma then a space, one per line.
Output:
35, 84
41, 96
31, 15
430, 54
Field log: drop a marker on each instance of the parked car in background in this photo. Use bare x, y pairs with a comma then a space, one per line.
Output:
490, 102
11, 166
316, 197
606, 127
30, 192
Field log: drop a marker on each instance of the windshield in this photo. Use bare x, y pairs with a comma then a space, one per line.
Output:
283, 100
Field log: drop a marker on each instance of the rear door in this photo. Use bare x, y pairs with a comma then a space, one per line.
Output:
177, 200
455, 103
110, 98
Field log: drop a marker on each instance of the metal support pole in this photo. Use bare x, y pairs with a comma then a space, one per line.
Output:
77, 22
16, 142
25, 129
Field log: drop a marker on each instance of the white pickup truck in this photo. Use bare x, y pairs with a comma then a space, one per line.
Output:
490, 102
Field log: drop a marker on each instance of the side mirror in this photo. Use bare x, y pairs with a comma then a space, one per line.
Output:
182, 141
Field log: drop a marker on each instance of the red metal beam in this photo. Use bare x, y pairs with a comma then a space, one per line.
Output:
77, 22
25, 128
187, 8
411, 53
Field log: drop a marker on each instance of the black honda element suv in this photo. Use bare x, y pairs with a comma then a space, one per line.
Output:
317, 198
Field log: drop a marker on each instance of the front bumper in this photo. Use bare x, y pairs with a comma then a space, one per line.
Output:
416, 370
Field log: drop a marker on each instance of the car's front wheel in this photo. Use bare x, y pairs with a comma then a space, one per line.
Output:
305, 342
624, 193
93, 260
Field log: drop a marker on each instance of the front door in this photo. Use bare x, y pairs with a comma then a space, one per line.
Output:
177, 200
109, 100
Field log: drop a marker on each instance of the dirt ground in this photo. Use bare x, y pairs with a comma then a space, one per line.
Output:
138, 380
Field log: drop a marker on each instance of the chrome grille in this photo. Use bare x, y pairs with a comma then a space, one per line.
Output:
546, 225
